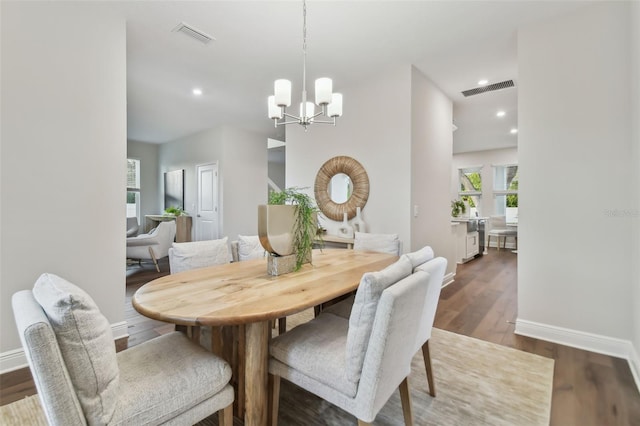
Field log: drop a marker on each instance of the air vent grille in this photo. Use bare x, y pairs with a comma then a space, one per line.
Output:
489, 88
193, 33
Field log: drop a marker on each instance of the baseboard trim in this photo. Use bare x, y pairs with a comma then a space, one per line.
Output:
448, 279
605, 345
16, 359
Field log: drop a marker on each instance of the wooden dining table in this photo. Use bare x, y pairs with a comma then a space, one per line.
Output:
243, 293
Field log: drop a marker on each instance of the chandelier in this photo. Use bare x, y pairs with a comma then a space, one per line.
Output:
329, 102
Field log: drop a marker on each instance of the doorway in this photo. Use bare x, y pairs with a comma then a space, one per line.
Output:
207, 214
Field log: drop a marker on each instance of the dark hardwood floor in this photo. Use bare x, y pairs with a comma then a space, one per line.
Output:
588, 388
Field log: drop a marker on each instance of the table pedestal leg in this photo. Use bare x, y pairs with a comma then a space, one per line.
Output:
256, 373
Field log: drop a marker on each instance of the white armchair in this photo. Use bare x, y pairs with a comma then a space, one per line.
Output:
132, 226
154, 245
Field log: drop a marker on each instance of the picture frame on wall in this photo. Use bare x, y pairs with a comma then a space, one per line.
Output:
174, 189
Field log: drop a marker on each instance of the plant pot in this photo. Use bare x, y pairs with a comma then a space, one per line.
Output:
275, 228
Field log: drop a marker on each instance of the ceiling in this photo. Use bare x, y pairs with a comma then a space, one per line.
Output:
454, 43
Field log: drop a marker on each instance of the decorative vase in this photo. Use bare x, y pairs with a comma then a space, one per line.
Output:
359, 225
345, 230
275, 230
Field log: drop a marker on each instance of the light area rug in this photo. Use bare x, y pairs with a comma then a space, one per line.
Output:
477, 383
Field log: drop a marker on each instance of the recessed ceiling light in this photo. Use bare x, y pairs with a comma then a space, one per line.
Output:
500, 114
483, 82
514, 131
197, 91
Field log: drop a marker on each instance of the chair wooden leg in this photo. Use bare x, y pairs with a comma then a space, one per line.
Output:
427, 366
274, 400
216, 341
153, 257
405, 397
195, 334
225, 416
282, 325
362, 423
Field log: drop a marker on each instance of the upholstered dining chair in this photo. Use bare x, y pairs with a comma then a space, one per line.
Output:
82, 380
498, 228
154, 245
421, 260
356, 364
247, 247
383, 243
436, 269
198, 254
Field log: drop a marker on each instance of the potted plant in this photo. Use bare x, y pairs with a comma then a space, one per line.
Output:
289, 224
457, 208
175, 211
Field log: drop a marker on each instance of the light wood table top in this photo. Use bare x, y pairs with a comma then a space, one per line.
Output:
242, 293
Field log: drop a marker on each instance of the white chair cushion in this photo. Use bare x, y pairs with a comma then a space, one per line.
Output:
198, 254
249, 247
364, 308
383, 243
168, 375
86, 343
316, 349
421, 256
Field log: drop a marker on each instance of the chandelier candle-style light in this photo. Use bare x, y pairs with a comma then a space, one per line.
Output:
331, 103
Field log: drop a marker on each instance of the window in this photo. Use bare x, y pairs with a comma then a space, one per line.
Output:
133, 188
505, 190
471, 187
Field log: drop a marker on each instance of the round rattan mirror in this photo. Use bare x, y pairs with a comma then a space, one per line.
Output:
359, 194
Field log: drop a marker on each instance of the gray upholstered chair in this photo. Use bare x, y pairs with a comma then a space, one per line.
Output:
154, 245
383, 243
436, 269
421, 260
356, 364
132, 226
198, 254
498, 228
82, 380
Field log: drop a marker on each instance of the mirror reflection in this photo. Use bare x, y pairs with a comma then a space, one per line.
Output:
340, 188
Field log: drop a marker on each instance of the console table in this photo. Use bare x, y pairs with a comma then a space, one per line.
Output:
348, 242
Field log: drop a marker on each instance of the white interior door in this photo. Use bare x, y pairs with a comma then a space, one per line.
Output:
207, 216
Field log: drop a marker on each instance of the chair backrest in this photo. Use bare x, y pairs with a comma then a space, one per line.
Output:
198, 254
391, 346
383, 243
164, 235
132, 226
436, 269
364, 310
497, 222
247, 247
55, 389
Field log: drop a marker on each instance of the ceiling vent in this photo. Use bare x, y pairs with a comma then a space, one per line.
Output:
489, 88
185, 29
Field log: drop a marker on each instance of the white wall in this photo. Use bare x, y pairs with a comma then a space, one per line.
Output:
63, 165
431, 151
635, 120
486, 159
575, 146
147, 153
375, 130
242, 169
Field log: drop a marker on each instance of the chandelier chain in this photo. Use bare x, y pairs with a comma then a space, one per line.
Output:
304, 45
